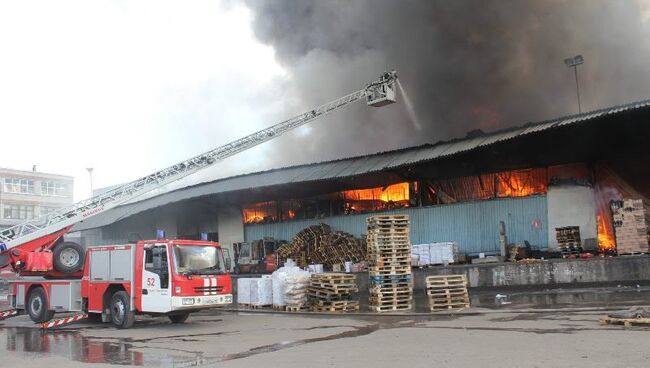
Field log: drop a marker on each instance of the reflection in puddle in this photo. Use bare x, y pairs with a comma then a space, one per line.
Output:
72, 345
76, 347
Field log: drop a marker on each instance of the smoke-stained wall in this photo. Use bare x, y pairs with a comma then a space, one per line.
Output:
466, 64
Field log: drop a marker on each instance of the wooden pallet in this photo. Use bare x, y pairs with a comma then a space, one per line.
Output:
390, 278
386, 239
327, 295
376, 238
333, 277
390, 307
334, 289
377, 218
446, 281
448, 306
253, 306
390, 290
385, 300
447, 292
334, 303
397, 260
340, 306
389, 270
633, 254
291, 308
388, 252
389, 256
627, 322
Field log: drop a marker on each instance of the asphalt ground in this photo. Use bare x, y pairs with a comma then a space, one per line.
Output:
515, 335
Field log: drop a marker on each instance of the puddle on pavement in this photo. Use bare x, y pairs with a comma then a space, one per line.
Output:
75, 346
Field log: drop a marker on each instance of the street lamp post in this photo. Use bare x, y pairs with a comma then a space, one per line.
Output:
573, 62
90, 173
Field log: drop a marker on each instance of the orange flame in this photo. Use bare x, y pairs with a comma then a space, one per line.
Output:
606, 241
258, 212
519, 184
392, 193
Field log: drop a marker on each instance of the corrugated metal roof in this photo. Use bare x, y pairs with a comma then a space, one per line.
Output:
348, 167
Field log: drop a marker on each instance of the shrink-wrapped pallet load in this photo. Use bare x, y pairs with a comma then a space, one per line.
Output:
244, 291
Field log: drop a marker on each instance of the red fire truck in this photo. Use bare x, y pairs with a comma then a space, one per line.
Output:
157, 277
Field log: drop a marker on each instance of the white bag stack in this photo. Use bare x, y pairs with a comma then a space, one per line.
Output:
290, 285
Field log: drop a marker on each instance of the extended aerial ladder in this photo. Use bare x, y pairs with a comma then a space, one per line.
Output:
31, 246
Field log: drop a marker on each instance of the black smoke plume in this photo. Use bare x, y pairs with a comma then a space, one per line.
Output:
466, 64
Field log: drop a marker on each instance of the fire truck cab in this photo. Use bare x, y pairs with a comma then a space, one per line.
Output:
156, 277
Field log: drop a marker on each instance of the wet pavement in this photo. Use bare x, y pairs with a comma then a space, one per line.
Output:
217, 338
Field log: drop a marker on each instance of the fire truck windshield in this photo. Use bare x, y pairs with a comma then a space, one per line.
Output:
198, 260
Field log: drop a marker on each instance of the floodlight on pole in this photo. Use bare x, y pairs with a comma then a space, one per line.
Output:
573, 62
90, 173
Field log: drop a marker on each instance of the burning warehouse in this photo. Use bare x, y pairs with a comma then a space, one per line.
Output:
534, 179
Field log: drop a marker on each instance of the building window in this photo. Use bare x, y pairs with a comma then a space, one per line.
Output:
258, 213
18, 212
22, 186
48, 210
52, 188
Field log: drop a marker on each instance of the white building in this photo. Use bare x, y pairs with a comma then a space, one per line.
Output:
29, 194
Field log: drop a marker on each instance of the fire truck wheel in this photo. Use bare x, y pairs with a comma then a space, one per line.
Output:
68, 257
38, 307
121, 314
179, 318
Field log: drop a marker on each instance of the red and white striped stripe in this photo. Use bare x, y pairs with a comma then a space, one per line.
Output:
210, 286
9, 313
63, 321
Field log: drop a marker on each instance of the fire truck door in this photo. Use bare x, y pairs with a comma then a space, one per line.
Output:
156, 296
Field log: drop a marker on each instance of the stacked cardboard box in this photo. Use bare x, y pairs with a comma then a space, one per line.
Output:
568, 239
389, 263
630, 226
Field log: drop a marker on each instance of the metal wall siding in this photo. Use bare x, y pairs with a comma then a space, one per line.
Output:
473, 225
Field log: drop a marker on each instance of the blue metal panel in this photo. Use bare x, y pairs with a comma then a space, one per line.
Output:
474, 225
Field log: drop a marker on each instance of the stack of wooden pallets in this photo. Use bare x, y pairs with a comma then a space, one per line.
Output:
389, 263
568, 239
447, 292
333, 292
630, 227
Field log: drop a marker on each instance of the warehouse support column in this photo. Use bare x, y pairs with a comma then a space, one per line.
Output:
231, 227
